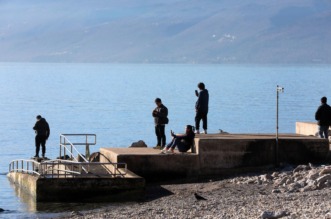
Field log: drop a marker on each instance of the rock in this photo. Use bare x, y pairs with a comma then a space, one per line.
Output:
2, 210
321, 185
223, 132
276, 191
307, 188
294, 187
313, 175
268, 214
327, 215
76, 213
302, 183
250, 181
281, 181
301, 168
265, 177
323, 178
289, 181
325, 171
138, 144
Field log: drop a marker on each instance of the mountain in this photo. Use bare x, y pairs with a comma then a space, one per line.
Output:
172, 31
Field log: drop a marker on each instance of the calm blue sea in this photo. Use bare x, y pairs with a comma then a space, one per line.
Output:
115, 102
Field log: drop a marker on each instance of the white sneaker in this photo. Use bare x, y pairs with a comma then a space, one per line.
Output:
197, 132
204, 131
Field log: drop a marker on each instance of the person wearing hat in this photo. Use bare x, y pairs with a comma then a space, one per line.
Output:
183, 142
160, 114
42, 133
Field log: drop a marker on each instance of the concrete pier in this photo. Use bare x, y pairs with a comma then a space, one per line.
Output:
81, 189
221, 154
75, 178
306, 128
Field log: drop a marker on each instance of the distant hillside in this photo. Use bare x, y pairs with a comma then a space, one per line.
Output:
172, 31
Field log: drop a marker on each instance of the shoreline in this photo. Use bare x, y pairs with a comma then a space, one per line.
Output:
255, 195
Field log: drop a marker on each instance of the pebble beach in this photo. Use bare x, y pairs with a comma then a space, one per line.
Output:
291, 192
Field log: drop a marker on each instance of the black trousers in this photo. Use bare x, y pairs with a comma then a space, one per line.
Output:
41, 140
198, 117
161, 137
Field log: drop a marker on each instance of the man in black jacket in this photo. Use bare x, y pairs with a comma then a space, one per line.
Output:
160, 114
323, 116
201, 108
42, 133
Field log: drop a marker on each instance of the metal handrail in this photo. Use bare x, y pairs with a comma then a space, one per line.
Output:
65, 168
86, 137
18, 166
68, 168
64, 141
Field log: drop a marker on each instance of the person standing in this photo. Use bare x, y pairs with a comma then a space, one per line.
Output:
160, 114
201, 108
42, 133
323, 116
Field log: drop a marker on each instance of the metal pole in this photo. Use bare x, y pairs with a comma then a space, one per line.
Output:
277, 91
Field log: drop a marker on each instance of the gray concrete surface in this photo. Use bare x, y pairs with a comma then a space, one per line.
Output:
221, 154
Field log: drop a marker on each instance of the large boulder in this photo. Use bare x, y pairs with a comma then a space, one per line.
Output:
138, 144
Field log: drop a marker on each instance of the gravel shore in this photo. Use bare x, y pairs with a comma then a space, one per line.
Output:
301, 192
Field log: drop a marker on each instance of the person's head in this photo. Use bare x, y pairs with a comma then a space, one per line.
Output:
324, 100
158, 101
189, 128
38, 117
201, 86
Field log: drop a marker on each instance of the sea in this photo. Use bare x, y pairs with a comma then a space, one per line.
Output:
115, 102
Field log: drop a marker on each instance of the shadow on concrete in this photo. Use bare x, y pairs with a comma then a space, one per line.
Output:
154, 192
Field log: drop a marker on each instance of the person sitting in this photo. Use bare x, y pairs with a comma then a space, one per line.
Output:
182, 141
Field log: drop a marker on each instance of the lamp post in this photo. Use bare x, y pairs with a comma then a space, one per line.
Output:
278, 90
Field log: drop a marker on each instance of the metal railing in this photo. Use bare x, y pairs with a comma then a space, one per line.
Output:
68, 169
65, 168
62, 168
66, 146
24, 166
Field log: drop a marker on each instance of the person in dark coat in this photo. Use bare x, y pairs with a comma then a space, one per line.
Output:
323, 116
183, 142
160, 114
201, 108
42, 133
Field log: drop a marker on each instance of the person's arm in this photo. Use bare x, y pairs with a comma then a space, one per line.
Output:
48, 130
180, 136
154, 113
198, 103
317, 114
162, 113
35, 126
